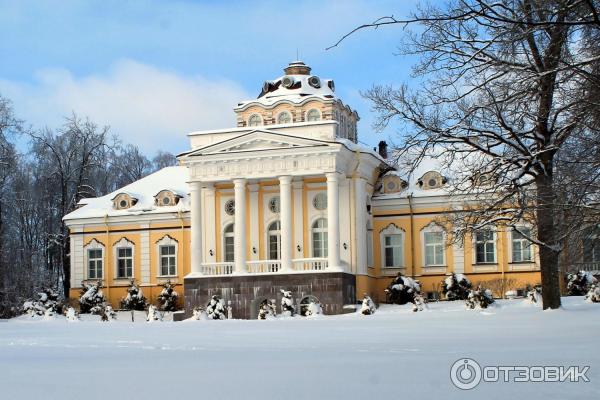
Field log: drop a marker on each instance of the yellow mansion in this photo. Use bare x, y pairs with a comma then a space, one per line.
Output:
288, 199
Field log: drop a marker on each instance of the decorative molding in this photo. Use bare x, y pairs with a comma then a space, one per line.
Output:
94, 243
166, 236
389, 227
125, 240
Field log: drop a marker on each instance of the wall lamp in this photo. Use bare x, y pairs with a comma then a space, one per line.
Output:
254, 250
211, 252
345, 246
299, 248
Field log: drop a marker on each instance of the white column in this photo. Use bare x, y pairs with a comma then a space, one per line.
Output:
360, 193
285, 197
239, 231
254, 232
209, 222
333, 222
196, 226
298, 220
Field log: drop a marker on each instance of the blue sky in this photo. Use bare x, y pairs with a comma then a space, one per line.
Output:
155, 70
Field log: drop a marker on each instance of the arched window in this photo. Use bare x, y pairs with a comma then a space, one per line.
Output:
274, 233
313, 115
284, 118
319, 238
228, 244
255, 120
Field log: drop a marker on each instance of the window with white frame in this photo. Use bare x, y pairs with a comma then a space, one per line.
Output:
124, 262
95, 263
434, 247
228, 244
274, 233
485, 246
392, 243
313, 115
284, 118
254, 120
521, 246
319, 238
591, 246
168, 260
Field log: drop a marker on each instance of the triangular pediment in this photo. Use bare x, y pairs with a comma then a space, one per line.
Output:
258, 141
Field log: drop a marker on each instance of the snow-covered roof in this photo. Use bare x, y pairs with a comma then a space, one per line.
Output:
169, 178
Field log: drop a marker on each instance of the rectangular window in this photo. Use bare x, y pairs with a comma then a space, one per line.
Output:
485, 247
229, 249
521, 247
320, 244
124, 262
393, 249
168, 260
591, 249
94, 264
434, 248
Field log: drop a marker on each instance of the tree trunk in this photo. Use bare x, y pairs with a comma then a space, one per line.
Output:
546, 234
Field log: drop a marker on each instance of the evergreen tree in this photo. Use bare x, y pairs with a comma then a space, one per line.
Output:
593, 295
267, 309
215, 309
135, 299
368, 306
403, 290
287, 304
579, 284
168, 298
48, 299
479, 297
456, 287
92, 298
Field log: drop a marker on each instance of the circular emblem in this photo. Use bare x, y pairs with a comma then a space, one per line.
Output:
465, 373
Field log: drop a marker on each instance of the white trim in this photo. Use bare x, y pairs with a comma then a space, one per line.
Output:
392, 229
433, 227
231, 234
166, 241
310, 236
510, 247
93, 245
485, 265
267, 237
121, 244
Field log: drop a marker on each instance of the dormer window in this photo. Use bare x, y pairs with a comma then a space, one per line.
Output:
432, 180
284, 118
166, 198
123, 201
393, 184
255, 120
313, 115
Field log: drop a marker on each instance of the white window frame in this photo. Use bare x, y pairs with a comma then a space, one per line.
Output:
250, 120
522, 240
392, 230
433, 228
273, 233
124, 243
314, 230
165, 242
283, 113
494, 241
320, 116
224, 246
93, 245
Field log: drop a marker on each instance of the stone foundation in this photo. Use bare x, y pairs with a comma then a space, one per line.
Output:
246, 292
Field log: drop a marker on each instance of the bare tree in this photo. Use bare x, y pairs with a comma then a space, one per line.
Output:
163, 159
505, 97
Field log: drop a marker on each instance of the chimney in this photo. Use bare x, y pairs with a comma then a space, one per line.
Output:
382, 149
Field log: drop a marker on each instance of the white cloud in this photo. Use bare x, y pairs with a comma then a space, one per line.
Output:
144, 105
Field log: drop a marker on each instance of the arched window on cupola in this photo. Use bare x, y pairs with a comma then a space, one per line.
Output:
284, 117
255, 120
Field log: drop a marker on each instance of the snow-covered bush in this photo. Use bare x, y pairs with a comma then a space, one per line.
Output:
168, 298
215, 308
92, 299
267, 309
153, 314
368, 306
71, 315
418, 303
287, 304
579, 284
107, 313
135, 299
198, 314
312, 309
403, 290
456, 287
593, 295
479, 297
47, 299
534, 294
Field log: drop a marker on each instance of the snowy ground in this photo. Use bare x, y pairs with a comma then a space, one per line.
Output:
394, 354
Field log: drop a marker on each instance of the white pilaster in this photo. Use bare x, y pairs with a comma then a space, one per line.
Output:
210, 241
360, 201
298, 220
239, 231
145, 254
333, 221
254, 232
285, 197
196, 226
